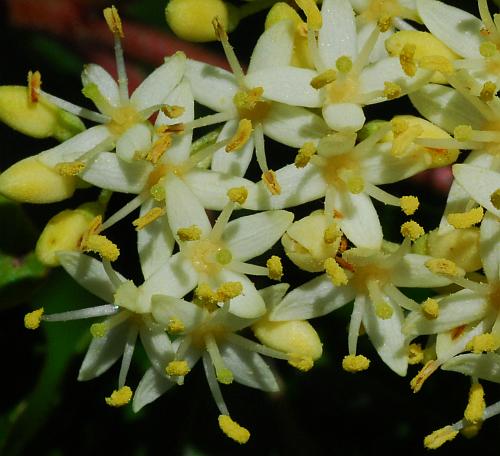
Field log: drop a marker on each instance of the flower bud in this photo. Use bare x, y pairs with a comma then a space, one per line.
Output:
39, 119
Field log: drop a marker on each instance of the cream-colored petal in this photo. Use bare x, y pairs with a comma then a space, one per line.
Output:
412, 272
485, 366
108, 88
166, 308
135, 142
489, 246
150, 388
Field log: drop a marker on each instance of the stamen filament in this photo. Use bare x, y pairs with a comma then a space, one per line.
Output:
260, 152
111, 273
211, 119
128, 352
363, 56
355, 323
250, 345
381, 195
221, 222
247, 268
81, 314
404, 301
213, 384
223, 374
130, 207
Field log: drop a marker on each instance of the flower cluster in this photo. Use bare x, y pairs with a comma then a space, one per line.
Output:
311, 74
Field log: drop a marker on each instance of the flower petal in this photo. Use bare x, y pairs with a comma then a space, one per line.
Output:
108, 88
489, 247
165, 308
157, 346
150, 388
485, 366
273, 295
412, 272
134, 142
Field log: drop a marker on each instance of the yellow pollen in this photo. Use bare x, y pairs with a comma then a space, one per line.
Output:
355, 363
99, 329
399, 126
331, 234
148, 217
101, 245
488, 91
430, 309
412, 230
383, 310
32, 319
415, 354
157, 192
476, 404
238, 194
443, 266
233, 430
274, 268
304, 155
336, 274
206, 296
495, 198
224, 376
113, 20
436, 63
220, 33
119, 397
404, 139
241, 137
466, 219
417, 382
34, 85
95, 225
323, 79
70, 168
190, 233
173, 111
177, 368
484, 343
384, 23
392, 90
344, 64
175, 326
462, 132
487, 49
301, 362
409, 204
272, 184
159, 147
407, 59
437, 438
177, 128
313, 15
228, 290
355, 184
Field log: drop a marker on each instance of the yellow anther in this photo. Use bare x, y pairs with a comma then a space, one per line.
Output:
177, 128
272, 184
344, 64
149, 217
95, 225
383, 310
407, 60
238, 194
488, 91
355, 184
224, 376
32, 319
417, 382
206, 296
175, 326
462, 132
323, 79
219, 29
157, 192
246, 100
189, 233
158, 148
113, 20
301, 362
412, 230
172, 111
228, 290
466, 219
384, 23
437, 438
70, 168
392, 90
355, 363
241, 137
304, 155
484, 343
436, 63
495, 198
399, 126
119, 397
177, 368
34, 85
409, 204
430, 309
99, 329
313, 15
415, 354
274, 268
487, 49
404, 139
233, 430
101, 245
444, 266
331, 234
476, 404
336, 274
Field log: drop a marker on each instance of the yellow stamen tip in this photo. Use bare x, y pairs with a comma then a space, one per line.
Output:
34, 85
409, 204
437, 438
219, 30
70, 168
113, 20
430, 309
407, 59
484, 343
417, 382
99, 329
190, 233
336, 274
32, 319
462, 132
444, 266
175, 326
384, 23
238, 194
383, 310
331, 234
158, 148
271, 181
149, 217
436, 63
392, 90
323, 79
224, 376
101, 245
466, 219
355, 363
415, 354
241, 137
119, 397
233, 430
229, 290
476, 404
206, 296
177, 368
301, 362
412, 230
173, 111
304, 155
275, 268
313, 15
488, 91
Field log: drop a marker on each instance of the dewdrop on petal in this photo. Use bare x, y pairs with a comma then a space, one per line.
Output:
30, 181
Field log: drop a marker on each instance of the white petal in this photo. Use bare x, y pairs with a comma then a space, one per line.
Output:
274, 47
212, 86
183, 208
75, 147
155, 88
458, 29
489, 246
107, 171
134, 142
412, 272
484, 366
313, 299
337, 36
345, 117
150, 388
290, 85
108, 88
252, 235
157, 346
248, 368
166, 308
274, 294
155, 242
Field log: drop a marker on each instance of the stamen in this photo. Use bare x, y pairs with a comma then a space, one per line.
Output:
392, 90
437, 438
476, 405
336, 274
355, 324
331, 233
224, 375
488, 91
403, 140
113, 21
401, 299
275, 268
159, 147
221, 222
238, 194
233, 430
119, 397
150, 216
487, 342
172, 111
412, 230
466, 219
209, 120
221, 34
102, 246
409, 204
99, 330
323, 79
130, 207
260, 151
313, 15
175, 326
205, 153
32, 319
355, 363
417, 382
190, 233
444, 266
249, 269
70, 168
206, 296
177, 368
430, 309
241, 137
407, 59
300, 362
90, 312
269, 178
304, 155
436, 63
34, 85
364, 54
128, 352
228, 291
415, 354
